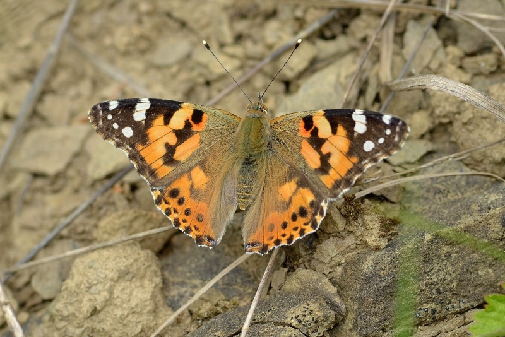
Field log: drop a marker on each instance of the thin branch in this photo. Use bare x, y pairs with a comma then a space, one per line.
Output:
263, 282
290, 44
201, 292
68, 220
84, 250
407, 7
422, 177
482, 28
10, 315
407, 65
454, 88
38, 82
451, 157
384, 18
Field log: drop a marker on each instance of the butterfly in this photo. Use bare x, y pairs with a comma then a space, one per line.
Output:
203, 163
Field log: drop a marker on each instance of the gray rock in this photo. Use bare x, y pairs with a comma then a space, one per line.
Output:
471, 39
55, 110
411, 152
47, 280
49, 150
170, 50
322, 90
429, 46
129, 222
481, 64
104, 158
110, 292
307, 305
474, 126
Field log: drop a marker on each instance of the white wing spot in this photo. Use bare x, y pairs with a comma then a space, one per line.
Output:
396, 138
368, 146
388, 132
113, 105
109, 116
140, 109
115, 126
358, 112
386, 119
139, 115
360, 123
127, 132
381, 140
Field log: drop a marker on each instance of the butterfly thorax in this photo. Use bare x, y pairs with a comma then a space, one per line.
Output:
252, 142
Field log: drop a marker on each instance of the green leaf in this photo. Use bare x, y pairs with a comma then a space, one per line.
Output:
490, 322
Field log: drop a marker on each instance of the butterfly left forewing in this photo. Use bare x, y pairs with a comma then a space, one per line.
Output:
334, 147
163, 138
174, 146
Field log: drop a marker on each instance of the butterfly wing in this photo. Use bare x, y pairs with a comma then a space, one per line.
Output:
173, 147
286, 208
316, 156
334, 147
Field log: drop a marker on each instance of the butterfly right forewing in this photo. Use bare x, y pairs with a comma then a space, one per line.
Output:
334, 147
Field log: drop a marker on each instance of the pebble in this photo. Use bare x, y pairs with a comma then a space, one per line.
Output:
48, 150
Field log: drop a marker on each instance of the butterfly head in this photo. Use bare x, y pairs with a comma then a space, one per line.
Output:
257, 108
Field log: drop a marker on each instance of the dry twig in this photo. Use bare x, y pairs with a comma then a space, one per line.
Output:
454, 88
10, 315
38, 82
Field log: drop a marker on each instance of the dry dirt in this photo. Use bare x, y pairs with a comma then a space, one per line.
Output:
343, 280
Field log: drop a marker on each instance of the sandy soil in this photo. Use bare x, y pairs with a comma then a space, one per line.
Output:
341, 281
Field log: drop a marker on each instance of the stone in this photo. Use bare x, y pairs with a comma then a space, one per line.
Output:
471, 39
104, 158
115, 291
429, 46
411, 152
48, 150
47, 279
129, 222
481, 64
473, 127
324, 89
170, 49
55, 110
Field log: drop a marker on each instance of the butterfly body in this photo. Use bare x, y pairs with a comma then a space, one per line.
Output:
252, 145
203, 163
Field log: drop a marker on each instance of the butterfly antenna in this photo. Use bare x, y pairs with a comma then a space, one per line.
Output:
292, 52
208, 48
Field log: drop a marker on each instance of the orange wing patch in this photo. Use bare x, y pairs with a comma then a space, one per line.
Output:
183, 151
325, 148
180, 135
187, 213
312, 157
303, 215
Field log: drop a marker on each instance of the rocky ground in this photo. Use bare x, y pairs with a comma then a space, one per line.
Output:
341, 281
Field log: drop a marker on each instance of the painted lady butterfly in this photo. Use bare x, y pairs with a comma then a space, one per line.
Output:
202, 163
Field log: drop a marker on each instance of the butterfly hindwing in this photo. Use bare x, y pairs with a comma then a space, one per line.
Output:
287, 208
334, 147
197, 202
